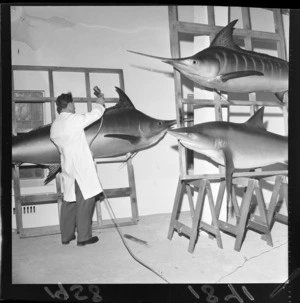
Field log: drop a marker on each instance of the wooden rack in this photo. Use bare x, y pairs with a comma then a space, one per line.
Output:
46, 198
186, 157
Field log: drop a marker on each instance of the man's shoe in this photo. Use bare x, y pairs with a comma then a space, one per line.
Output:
67, 242
89, 241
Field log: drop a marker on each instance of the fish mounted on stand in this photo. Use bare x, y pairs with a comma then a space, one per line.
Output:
122, 129
235, 145
224, 66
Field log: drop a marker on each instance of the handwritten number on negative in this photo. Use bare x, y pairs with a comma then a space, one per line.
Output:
76, 294
95, 291
209, 291
60, 294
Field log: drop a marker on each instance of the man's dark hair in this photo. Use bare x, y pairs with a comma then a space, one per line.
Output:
63, 100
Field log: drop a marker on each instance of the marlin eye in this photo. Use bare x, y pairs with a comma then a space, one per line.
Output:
194, 61
159, 123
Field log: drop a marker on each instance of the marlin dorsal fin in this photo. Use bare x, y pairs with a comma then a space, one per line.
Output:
124, 101
257, 119
224, 37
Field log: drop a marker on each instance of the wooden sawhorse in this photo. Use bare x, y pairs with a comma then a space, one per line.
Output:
203, 189
244, 219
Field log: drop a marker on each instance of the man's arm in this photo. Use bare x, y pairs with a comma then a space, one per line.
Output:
96, 113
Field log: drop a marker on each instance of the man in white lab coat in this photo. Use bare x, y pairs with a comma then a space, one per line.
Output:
79, 174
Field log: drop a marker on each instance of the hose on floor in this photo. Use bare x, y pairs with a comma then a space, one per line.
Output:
113, 217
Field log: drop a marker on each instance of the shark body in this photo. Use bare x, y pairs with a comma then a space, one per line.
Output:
235, 145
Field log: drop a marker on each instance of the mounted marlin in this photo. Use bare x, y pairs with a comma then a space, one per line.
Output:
224, 66
235, 145
123, 130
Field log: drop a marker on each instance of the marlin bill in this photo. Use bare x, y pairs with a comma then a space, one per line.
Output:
235, 145
226, 67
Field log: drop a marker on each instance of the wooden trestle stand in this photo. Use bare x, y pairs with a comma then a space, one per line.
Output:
261, 223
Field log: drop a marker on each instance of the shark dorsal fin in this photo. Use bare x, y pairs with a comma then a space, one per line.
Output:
124, 101
257, 119
224, 37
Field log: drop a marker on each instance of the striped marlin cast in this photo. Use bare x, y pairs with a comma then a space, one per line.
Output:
224, 66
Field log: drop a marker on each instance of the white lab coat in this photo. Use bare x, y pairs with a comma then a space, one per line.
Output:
67, 133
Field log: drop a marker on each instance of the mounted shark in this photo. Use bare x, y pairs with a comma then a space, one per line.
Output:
224, 66
121, 130
235, 145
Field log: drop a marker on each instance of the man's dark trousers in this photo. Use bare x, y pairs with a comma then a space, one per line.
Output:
78, 215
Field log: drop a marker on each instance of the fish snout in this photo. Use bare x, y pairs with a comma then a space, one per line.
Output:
170, 123
178, 133
173, 62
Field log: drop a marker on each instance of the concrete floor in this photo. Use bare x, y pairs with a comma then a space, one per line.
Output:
44, 259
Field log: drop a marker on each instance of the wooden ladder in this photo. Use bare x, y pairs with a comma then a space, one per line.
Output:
185, 109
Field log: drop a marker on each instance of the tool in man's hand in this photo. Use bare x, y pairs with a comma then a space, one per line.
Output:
97, 92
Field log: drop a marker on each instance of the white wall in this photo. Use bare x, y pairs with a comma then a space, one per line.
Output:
100, 37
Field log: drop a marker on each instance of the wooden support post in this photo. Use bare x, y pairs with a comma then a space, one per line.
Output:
220, 197
133, 198
190, 198
263, 214
271, 214
17, 192
215, 222
197, 216
176, 208
53, 117
244, 214
281, 48
248, 46
88, 90
175, 52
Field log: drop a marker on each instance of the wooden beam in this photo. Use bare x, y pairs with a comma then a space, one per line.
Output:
258, 174
52, 99
37, 199
175, 52
205, 29
66, 69
210, 102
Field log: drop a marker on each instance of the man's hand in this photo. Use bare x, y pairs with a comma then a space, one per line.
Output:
99, 95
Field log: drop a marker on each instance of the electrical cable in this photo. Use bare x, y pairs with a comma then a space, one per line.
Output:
124, 241
113, 217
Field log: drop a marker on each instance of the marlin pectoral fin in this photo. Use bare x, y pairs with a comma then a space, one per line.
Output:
240, 74
53, 171
130, 138
229, 168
